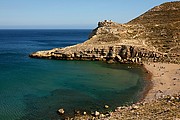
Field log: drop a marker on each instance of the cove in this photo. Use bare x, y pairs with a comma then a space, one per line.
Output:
35, 89
80, 85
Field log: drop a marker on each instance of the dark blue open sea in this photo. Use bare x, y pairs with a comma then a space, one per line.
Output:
34, 89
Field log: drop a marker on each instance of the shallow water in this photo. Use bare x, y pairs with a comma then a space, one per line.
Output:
37, 88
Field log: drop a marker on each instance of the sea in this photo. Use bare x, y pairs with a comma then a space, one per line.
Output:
34, 89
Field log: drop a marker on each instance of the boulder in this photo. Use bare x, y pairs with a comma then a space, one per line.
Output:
106, 106
61, 111
97, 113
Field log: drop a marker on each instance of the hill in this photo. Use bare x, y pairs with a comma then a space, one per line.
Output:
154, 36
162, 27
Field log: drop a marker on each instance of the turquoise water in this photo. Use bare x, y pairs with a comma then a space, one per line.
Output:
34, 89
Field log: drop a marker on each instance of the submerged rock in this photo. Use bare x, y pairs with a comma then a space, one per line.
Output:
165, 108
61, 111
106, 106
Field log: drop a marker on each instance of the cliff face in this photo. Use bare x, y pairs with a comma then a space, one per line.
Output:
154, 36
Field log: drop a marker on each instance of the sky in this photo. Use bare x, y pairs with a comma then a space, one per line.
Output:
69, 14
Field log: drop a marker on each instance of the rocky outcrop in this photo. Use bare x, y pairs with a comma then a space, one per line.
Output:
118, 53
61, 111
164, 108
147, 38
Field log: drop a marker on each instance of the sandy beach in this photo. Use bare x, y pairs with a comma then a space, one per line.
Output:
162, 101
165, 79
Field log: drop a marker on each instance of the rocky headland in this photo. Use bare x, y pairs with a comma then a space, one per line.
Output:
152, 39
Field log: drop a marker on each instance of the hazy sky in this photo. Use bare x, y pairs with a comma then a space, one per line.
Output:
69, 13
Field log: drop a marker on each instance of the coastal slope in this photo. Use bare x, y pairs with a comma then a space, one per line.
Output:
154, 37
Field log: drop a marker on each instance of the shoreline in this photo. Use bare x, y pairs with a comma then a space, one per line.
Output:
148, 83
141, 94
163, 81
148, 40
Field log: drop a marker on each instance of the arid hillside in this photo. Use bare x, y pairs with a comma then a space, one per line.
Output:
154, 36
162, 25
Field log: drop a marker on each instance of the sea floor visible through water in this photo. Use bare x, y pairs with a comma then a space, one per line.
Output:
37, 88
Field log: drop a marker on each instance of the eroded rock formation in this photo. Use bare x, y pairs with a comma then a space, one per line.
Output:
154, 36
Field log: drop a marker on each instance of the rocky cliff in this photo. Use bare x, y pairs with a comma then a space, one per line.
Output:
153, 36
